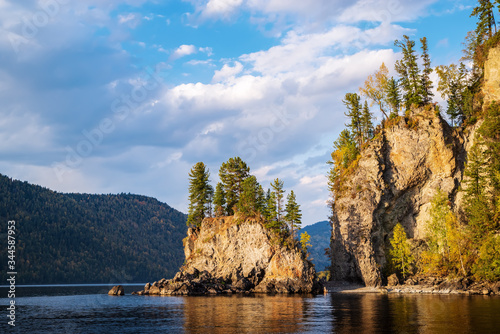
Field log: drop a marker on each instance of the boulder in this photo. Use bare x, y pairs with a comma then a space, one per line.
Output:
117, 291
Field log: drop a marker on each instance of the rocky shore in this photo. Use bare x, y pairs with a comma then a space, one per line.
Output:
429, 285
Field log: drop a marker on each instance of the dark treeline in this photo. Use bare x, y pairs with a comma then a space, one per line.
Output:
464, 242
80, 238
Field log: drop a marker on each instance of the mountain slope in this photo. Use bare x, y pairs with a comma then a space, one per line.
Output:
81, 238
320, 239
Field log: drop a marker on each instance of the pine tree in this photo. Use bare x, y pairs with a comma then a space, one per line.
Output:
402, 256
426, 83
393, 97
486, 25
232, 174
270, 210
293, 213
366, 123
353, 104
199, 194
375, 88
248, 201
261, 200
279, 193
409, 73
219, 200
475, 182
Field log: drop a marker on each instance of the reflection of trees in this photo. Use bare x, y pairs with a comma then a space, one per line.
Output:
244, 314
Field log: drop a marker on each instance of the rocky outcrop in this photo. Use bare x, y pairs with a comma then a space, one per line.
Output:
117, 291
491, 86
235, 255
395, 180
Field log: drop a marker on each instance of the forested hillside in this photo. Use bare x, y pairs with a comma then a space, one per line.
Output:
81, 238
320, 241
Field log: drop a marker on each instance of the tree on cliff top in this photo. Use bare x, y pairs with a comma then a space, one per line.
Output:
486, 25
232, 174
293, 214
249, 201
375, 89
352, 102
219, 200
200, 193
409, 73
426, 82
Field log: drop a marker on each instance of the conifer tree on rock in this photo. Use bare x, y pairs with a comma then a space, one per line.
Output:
353, 104
293, 214
409, 73
232, 174
200, 193
426, 85
219, 200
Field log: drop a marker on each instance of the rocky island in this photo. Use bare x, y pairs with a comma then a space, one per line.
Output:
227, 255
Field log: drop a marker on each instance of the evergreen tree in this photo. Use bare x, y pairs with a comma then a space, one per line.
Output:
486, 25
293, 213
393, 97
270, 212
279, 193
476, 203
219, 200
232, 174
353, 104
402, 256
409, 73
199, 194
261, 200
375, 88
366, 123
426, 83
248, 201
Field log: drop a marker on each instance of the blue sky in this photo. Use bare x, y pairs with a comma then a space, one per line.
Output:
126, 96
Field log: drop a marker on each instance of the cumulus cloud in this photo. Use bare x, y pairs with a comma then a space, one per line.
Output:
227, 72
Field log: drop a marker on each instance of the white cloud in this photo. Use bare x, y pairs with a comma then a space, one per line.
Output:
227, 72
221, 8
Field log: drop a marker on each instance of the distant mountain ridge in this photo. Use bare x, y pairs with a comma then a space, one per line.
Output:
83, 238
320, 239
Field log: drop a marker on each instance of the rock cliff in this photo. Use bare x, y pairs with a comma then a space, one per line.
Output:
396, 178
227, 255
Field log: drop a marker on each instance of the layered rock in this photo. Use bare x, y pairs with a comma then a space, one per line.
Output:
230, 255
395, 181
491, 86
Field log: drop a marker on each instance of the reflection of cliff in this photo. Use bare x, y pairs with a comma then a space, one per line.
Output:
260, 314
375, 313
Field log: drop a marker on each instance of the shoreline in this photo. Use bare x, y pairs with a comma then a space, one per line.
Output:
445, 287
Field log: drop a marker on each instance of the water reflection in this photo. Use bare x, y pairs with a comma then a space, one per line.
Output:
244, 314
374, 313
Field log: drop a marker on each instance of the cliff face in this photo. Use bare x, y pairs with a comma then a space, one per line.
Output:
225, 256
395, 181
396, 178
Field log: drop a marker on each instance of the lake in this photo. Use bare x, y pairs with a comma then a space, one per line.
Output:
88, 309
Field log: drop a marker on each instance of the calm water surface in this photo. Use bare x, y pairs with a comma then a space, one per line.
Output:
88, 309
